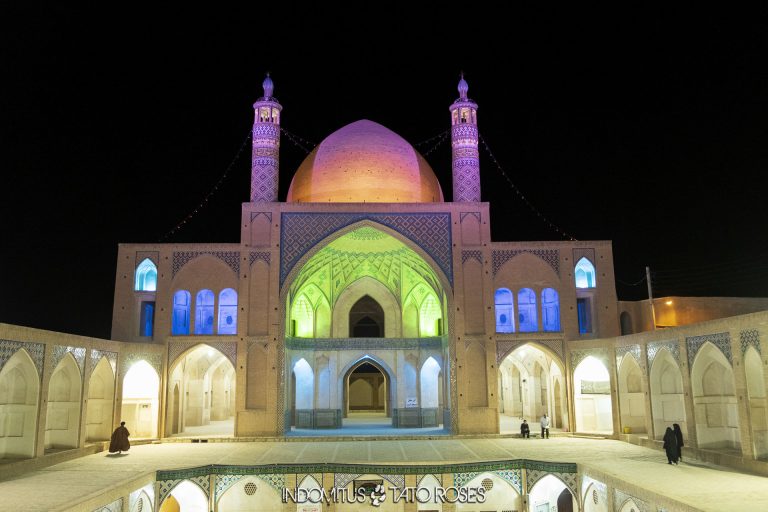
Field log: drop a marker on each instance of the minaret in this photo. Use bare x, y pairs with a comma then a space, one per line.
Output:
464, 154
265, 161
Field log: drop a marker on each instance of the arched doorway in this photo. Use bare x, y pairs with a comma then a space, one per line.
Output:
530, 386
714, 399
141, 390
185, 497
366, 319
592, 397
62, 423
302, 395
631, 396
757, 403
667, 399
367, 391
552, 495
99, 413
201, 394
500, 495
19, 390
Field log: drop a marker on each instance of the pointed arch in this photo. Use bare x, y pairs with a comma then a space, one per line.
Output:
550, 491
584, 273
390, 381
62, 423
356, 290
667, 398
592, 396
505, 310
550, 310
99, 410
186, 496
204, 300
499, 493
526, 310
19, 397
714, 400
758, 405
227, 311
251, 493
141, 392
427, 496
182, 304
631, 395
146, 276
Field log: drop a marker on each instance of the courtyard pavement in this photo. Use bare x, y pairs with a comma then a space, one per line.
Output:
698, 484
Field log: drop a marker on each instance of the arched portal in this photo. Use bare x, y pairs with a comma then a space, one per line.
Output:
592, 397
201, 391
249, 494
141, 391
185, 497
631, 395
19, 390
757, 403
62, 422
714, 400
499, 494
530, 382
101, 392
366, 319
552, 495
367, 390
667, 399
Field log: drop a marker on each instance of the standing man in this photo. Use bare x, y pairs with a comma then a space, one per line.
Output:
119, 442
544, 426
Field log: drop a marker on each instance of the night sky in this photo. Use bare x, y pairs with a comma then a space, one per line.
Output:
648, 128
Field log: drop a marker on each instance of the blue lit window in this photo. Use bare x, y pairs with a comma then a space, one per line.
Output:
585, 274
146, 276
504, 311
228, 311
526, 310
550, 309
181, 303
147, 320
204, 312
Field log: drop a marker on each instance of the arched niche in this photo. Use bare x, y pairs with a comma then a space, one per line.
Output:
550, 493
592, 397
99, 409
366, 318
19, 395
201, 393
714, 400
378, 292
389, 386
248, 494
758, 405
141, 391
427, 496
667, 398
62, 423
499, 494
430, 385
625, 320
595, 498
185, 497
631, 395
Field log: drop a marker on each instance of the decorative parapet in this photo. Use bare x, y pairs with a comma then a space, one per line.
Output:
433, 343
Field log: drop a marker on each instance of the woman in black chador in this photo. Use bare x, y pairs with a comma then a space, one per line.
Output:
679, 438
670, 445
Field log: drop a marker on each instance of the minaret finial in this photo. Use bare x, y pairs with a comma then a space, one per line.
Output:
463, 87
269, 86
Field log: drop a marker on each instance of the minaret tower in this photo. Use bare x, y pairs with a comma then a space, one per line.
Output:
265, 161
464, 154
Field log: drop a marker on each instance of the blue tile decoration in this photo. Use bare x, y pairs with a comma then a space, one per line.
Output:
601, 354
634, 350
181, 258
620, 498
749, 338
549, 256
224, 482
36, 352
721, 340
471, 255
341, 480
60, 351
300, 232
653, 348
321, 344
154, 360
176, 348
166, 486
264, 256
96, 356
462, 479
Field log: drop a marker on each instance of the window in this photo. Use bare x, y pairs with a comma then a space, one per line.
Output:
504, 311
181, 306
147, 319
146, 276
584, 311
526, 310
585, 274
228, 311
204, 312
550, 309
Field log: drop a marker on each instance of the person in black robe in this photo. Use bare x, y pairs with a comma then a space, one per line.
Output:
525, 430
670, 445
679, 438
119, 442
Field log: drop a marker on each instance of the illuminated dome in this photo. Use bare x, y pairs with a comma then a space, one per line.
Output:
365, 162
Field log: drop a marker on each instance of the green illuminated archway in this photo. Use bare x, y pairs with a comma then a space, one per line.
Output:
365, 261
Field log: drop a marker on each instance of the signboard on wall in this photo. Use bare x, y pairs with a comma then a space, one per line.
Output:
412, 402
595, 387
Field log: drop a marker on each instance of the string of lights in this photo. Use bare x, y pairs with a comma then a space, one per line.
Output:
210, 193
535, 210
298, 141
439, 135
440, 141
640, 281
